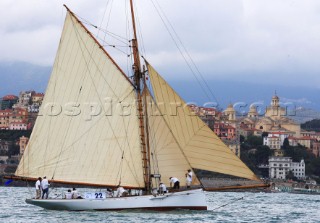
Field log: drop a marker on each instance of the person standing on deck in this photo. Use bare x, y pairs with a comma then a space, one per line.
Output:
38, 188
189, 178
175, 181
45, 188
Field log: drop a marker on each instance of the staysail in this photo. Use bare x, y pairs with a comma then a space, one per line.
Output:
166, 157
203, 149
88, 131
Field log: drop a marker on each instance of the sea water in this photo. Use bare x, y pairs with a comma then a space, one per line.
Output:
223, 207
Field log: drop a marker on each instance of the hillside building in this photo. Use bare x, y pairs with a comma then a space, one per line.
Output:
279, 168
275, 119
8, 101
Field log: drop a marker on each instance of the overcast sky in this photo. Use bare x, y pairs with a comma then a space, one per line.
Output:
250, 40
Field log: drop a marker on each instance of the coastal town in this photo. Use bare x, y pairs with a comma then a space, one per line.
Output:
272, 144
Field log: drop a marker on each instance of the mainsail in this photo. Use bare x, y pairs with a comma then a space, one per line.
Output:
203, 149
89, 128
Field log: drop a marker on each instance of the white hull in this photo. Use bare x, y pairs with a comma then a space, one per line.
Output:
191, 199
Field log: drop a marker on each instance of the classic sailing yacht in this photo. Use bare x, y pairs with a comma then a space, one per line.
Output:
100, 128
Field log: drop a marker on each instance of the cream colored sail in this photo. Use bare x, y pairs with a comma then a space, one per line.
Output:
91, 134
166, 158
203, 149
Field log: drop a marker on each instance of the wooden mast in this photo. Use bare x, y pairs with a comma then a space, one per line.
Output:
137, 82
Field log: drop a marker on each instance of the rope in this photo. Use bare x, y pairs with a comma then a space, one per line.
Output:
184, 53
120, 169
234, 200
29, 189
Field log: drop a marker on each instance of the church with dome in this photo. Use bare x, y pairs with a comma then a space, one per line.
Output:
274, 124
274, 119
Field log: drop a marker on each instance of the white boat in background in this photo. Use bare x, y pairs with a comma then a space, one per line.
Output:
134, 141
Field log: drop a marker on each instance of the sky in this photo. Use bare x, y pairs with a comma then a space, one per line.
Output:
267, 42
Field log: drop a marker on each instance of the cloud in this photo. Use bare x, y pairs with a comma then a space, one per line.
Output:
300, 101
273, 42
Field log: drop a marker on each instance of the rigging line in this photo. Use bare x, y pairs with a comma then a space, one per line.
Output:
112, 45
154, 143
151, 133
186, 51
232, 201
120, 147
174, 137
114, 35
141, 44
121, 51
181, 52
102, 19
120, 169
129, 50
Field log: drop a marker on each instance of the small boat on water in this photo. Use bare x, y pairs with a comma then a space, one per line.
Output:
100, 128
297, 190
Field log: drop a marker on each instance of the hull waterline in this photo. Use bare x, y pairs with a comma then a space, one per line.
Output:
192, 200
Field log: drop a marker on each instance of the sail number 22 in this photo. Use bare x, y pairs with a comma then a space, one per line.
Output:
95, 195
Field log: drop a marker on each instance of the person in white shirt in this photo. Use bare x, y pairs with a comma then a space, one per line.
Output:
45, 188
38, 188
68, 195
175, 181
75, 194
162, 188
121, 192
188, 178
